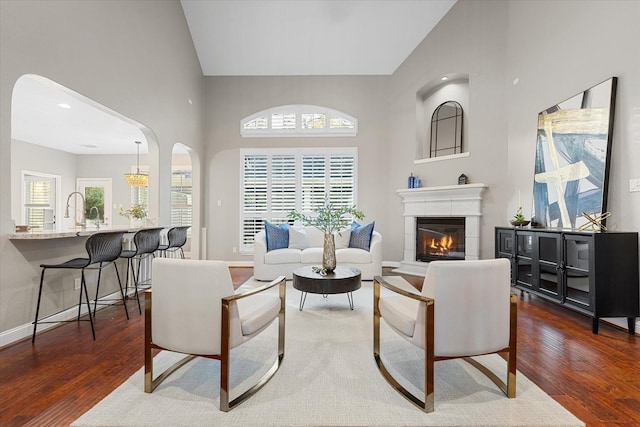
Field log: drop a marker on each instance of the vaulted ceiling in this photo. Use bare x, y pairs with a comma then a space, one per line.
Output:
243, 38
308, 37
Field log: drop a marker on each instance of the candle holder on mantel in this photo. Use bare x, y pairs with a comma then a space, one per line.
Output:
519, 220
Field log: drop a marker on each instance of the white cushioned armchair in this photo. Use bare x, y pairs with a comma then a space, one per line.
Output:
465, 309
192, 309
281, 262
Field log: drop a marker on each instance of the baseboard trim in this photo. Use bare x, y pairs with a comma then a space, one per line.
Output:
25, 331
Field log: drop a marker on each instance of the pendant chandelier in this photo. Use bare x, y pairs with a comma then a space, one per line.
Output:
137, 179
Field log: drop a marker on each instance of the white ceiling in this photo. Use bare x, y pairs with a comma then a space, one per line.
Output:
309, 37
240, 38
84, 128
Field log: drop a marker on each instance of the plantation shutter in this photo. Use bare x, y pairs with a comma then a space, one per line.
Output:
181, 197
313, 182
277, 181
38, 196
254, 198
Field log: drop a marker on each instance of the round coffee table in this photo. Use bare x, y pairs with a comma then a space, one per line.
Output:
342, 280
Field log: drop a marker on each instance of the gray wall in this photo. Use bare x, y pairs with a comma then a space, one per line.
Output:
470, 40
557, 50
135, 57
229, 99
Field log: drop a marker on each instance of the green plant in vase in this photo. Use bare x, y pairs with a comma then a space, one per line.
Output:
519, 220
136, 212
329, 219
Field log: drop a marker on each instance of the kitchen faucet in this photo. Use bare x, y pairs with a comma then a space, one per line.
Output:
97, 222
82, 223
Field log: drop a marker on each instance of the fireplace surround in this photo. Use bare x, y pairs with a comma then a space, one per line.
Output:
454, 201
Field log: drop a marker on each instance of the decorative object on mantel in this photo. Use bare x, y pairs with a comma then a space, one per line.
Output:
462, 179
414, 181
519, 220
330, 218
137, 179
595, 221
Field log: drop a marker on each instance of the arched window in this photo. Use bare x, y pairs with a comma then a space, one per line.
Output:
298, 121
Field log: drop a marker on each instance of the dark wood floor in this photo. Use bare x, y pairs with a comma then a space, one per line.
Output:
51, 383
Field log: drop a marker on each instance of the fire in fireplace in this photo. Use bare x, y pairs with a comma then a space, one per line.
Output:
439, 239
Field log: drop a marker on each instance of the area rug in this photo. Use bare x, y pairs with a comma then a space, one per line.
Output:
328, 378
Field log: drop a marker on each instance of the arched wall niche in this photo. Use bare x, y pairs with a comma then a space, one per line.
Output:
428, 98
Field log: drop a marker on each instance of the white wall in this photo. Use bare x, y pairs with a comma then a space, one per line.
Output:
134, 57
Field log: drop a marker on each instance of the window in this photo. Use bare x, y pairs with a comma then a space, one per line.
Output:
276, 181
181, 196
298, 120
39, 200
97, 196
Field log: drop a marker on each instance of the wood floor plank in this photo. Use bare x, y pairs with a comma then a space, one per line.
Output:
51, 383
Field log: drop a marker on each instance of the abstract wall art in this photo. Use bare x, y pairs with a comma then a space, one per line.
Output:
572, 158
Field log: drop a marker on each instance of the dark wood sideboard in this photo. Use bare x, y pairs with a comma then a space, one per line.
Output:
590, 272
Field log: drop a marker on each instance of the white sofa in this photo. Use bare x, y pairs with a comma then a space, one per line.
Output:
268, 265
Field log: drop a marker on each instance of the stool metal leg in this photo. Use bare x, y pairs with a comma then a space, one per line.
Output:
135, 281
95, 301
35, 322
86, 296
124, 300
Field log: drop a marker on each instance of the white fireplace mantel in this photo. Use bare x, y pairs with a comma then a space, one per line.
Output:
447, 201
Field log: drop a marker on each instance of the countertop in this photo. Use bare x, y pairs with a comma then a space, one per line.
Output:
72, 232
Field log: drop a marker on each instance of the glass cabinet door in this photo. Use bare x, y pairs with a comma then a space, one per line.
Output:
524, 255
549, 264
577, 252
505, 241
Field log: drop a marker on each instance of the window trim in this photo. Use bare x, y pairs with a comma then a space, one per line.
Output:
298, 110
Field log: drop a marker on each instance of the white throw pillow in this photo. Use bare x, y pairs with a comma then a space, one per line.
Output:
342, 238
298, 238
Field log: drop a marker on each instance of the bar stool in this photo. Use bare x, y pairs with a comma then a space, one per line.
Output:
146, 242
102, 249
177, 238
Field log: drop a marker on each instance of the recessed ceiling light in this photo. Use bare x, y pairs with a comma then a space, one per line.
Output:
444, 78
88, 145
64, 105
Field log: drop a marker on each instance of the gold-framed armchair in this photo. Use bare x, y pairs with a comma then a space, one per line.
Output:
192, 309
465, 309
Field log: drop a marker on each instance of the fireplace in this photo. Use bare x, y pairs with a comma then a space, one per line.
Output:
452, 201
440, 238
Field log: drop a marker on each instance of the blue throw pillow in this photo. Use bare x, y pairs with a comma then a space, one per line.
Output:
361, 235
277, 235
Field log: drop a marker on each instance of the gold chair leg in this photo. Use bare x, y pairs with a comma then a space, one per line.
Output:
428, 404
509, 389
225, 404
148, 354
